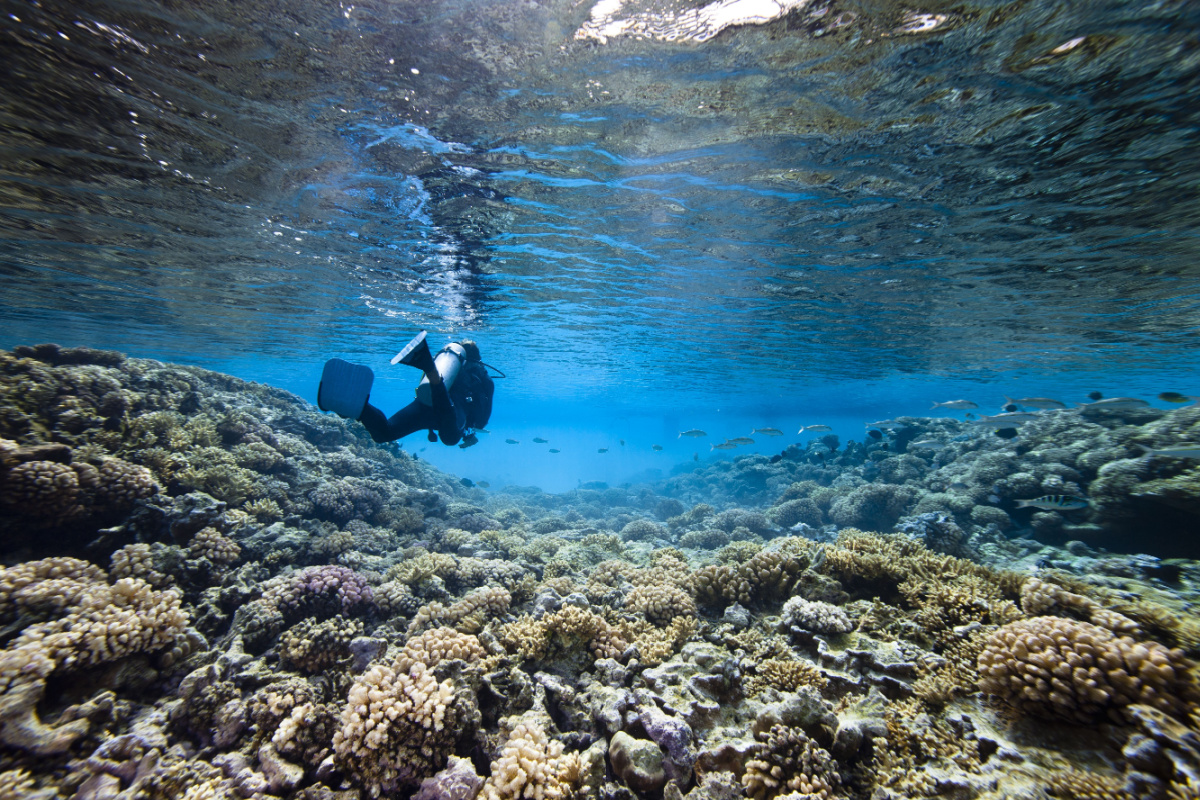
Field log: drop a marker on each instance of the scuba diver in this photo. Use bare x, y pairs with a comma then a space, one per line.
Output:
453, 399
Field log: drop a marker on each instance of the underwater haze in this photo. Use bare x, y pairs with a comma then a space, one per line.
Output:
650, 215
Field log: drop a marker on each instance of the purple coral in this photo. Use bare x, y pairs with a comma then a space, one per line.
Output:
324, 591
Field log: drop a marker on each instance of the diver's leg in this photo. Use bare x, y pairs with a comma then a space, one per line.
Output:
413, 417
448, 420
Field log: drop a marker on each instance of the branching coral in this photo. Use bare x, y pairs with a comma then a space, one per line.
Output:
789, 762
531, 765
1060, 668
661, 603
398, 727
313, 646
320, 591
90, 622
815, 616
468, 614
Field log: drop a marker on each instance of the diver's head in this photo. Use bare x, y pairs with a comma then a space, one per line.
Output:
472, 349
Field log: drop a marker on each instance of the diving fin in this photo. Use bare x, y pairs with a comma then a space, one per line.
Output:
344, 388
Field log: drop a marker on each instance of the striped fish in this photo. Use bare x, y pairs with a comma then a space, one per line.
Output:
1054, 502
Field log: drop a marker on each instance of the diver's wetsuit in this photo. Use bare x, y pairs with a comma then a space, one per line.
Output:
447, 415
443, 416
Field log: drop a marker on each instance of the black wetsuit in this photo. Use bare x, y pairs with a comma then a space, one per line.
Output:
467, 405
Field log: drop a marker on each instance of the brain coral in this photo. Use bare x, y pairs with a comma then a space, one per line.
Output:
1061, 668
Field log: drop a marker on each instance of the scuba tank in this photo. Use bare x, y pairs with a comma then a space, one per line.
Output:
448, 362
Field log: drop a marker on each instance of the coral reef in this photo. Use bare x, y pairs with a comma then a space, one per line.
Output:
214, 591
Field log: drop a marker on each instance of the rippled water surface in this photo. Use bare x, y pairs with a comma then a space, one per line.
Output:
630, 205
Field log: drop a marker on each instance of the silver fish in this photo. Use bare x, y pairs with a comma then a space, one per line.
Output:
1010, 420
1054, 502
723, 446
694, 433
955, 405
1180, 451
887, 424
1034, 402
814, 428
768, 431
1113, 404
928, 444
740, 440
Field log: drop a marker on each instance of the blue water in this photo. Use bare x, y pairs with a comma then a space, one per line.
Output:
787, 223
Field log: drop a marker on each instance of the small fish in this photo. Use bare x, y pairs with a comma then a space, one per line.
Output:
1010, 407
622, 441
814, 428
1051, 502
723, 446
656, 447
767, 431
740, 440
694, 433
1010, 420
540, 440
1094, 395
602, 450
1181, 451
467, 482
955, 405
512, 441
1176, 397
888, 424
928, 444
959, 485
1044, 403
483, 484
552, 450
1113, 404
482, 430
874, 434
969, 415
1005, 433
695, 456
